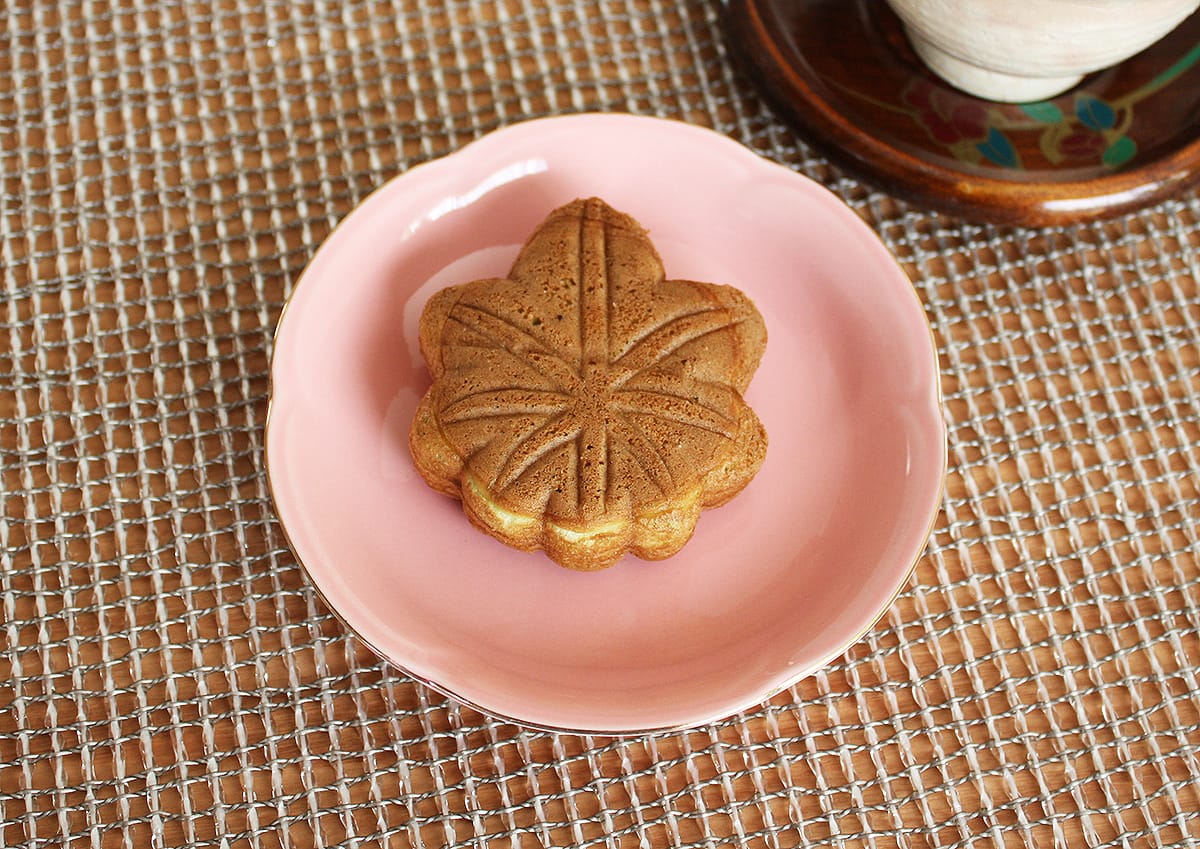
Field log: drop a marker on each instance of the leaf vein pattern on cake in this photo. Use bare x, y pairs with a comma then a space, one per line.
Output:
586, 391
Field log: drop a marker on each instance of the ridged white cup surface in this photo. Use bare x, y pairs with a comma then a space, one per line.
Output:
1032, 49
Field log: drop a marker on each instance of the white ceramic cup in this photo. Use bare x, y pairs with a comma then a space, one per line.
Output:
1022, 50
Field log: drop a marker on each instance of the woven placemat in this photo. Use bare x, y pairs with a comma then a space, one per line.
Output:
168, 676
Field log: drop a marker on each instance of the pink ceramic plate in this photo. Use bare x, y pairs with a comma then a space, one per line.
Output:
773, 585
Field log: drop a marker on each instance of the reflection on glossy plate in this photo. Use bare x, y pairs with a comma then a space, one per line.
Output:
772, 586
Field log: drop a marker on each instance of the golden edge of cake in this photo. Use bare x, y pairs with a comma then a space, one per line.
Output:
595, 538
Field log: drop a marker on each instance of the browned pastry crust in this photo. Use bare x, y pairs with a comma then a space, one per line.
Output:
585, 405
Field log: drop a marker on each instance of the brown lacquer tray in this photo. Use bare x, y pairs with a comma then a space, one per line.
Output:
842, 71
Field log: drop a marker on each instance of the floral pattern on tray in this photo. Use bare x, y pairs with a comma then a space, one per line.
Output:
1078, 127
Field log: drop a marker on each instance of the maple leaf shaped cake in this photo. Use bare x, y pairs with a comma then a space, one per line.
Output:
586, 405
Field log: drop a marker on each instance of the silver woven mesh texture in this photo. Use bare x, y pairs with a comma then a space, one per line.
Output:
167, 675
